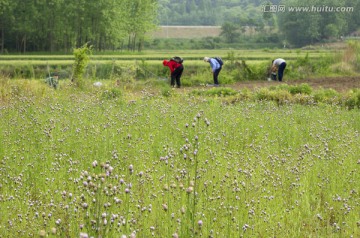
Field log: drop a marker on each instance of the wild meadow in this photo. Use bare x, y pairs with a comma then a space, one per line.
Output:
84, 164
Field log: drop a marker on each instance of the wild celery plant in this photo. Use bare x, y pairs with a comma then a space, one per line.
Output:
83, 165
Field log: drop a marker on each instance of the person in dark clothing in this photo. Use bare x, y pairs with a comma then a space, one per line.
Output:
279, 65
215, 69
176, 70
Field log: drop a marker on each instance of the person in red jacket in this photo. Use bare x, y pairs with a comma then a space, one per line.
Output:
176, 70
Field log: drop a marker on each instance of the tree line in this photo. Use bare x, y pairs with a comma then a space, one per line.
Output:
296, 28
320, 23
60, 25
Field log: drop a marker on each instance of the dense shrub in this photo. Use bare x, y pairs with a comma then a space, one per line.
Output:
326, 95
352, 100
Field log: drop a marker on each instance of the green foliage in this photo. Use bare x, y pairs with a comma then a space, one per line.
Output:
82, 58
166, 90
229, 31
216, 91
112, 93
42, 25
352, 54
52, 81
353, 99
304, 67
241, 71
315, 24
327, 95
294, 89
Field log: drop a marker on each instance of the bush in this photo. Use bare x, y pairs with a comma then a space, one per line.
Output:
352, 54
352, 100
241, 71
326, 95
281, 97
300, 89
263, 94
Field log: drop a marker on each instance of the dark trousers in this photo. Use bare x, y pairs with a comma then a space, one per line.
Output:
176, 75
281, 71
216, 75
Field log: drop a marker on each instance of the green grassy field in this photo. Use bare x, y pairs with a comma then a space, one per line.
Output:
240, 65
78, 163
135, 158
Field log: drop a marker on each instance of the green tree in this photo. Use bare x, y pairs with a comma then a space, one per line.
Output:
6, 19
139, 18
52, 25
229, 31
352, 18
301, 27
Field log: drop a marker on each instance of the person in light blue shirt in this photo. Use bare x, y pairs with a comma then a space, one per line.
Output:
215, 69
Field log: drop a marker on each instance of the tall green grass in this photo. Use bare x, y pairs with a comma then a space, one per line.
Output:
76, 163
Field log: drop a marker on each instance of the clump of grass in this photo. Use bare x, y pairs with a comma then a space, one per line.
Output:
351, 54
166, 90
112, 93
352, 99
327, 96
216, 91
294, 89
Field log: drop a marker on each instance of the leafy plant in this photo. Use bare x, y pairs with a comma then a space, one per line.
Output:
82, 58
111, 94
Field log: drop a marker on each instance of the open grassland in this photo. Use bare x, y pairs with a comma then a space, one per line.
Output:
91, 163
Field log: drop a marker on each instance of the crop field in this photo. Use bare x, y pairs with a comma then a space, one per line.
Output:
137, 158
111, 64
192, 55
75, 164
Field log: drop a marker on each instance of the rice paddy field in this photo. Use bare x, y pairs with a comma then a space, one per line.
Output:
190, 56
74, 164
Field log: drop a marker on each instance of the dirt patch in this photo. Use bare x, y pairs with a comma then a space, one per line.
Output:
187, 32
340, 84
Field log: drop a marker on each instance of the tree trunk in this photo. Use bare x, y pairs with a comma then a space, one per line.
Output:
2, 39
133, 46
24, 43
140, 45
